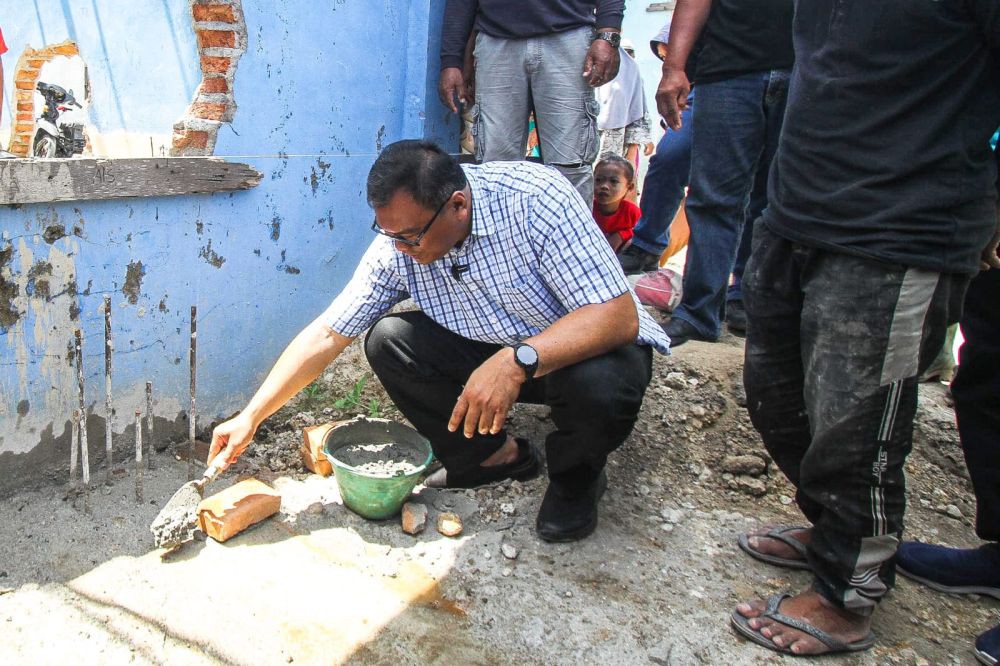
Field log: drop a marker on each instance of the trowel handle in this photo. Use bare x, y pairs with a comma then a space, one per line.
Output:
214, 469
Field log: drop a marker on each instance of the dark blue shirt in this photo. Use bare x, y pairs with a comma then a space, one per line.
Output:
510, 19
884, 151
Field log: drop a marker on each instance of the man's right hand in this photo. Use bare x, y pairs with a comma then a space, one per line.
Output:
671, 96
233, 437
451, 85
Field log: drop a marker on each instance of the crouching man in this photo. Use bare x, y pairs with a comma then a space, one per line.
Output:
520, 299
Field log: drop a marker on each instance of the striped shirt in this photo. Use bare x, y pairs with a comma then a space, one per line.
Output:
534, 254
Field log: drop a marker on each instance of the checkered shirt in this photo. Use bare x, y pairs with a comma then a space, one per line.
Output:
534, 255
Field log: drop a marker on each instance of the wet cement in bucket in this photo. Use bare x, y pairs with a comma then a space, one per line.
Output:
382, 459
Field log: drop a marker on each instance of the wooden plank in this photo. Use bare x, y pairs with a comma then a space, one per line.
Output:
24, 181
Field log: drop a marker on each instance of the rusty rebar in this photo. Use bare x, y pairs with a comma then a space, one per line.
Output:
192, 417
108, 407
138, 457
149, 425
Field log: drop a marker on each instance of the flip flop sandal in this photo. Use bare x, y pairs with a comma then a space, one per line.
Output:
835, 645
525, 467
779, 534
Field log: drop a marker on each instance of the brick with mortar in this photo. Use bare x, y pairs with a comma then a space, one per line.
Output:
214, 64
207, 111
312, 448
215, 84
208, 39
216, 13
190, 139
225, 514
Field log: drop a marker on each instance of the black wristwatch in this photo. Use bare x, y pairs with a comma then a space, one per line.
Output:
526, 357
613, 38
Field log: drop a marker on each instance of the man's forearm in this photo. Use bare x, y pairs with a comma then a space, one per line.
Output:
586, 332
302, 361
459, 17
689, 20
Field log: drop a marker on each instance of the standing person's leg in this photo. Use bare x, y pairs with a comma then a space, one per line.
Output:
976, 390
774, 110
503, 99
565, 107
730, 135
662, 194
866, 329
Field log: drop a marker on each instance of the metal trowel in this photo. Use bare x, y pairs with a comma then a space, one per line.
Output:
177, 521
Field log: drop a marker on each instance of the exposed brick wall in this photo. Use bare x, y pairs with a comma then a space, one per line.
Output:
25, 77
222, 39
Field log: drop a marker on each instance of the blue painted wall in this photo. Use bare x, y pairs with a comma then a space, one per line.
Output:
321, 87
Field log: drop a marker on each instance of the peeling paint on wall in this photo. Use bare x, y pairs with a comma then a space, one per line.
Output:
133, 281
9, 290
211, 256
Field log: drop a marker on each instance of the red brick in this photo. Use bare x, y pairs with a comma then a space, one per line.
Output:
207, 111
214, 64
312, 448
66, 48
414, 517
214, 85
224, 515
21, 84
190, 139
208, 39
25, 106
21, 127
25, 116
218, 13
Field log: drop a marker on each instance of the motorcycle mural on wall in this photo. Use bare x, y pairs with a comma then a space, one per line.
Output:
59, 128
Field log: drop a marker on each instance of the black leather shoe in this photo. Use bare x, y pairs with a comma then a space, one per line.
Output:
524, 468
679, 332
635, 260
570, 517
736, 317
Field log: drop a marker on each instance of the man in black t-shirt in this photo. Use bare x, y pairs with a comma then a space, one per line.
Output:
882, 201
742, 76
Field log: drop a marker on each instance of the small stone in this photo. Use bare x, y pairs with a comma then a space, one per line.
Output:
667, 527
569, 594
315, 508
643, 490
449, 524
698, 411
509, 550
414, 517
507, 508
785, 499
487, 554
750, 485
506, 571
745, 464
676, 380
327, 411
697, 424
672, 515
953, 511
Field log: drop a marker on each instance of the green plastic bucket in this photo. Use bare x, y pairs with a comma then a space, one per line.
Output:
370, 495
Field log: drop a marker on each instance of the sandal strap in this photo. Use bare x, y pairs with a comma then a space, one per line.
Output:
781, 534
774, 602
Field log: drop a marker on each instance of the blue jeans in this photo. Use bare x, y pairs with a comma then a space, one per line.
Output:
738, 122
663, 187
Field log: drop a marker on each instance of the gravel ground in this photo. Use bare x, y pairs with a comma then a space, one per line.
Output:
655, 584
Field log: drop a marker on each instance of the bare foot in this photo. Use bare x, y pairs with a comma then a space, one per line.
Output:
810, 607
505, 454
761, 543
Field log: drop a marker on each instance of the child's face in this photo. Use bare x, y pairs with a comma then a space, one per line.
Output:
610, 184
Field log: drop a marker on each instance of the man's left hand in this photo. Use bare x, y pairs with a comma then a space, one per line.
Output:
488, 395
601, 64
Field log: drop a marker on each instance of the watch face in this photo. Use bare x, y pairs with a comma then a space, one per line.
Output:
526, 355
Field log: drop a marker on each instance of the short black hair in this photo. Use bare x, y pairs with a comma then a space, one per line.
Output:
621, 163
421, 168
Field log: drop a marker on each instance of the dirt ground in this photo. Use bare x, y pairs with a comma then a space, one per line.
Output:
318, 584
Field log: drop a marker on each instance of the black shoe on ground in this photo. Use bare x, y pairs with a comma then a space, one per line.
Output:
736, 317
679, 332
570, 517
635, 260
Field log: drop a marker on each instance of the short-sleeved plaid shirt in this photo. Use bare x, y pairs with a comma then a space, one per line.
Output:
534, 255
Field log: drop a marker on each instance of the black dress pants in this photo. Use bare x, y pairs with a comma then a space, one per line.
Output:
423, 366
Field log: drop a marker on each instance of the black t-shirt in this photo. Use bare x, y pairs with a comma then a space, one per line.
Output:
884, 152
744, 36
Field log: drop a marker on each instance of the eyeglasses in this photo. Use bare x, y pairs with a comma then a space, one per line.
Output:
402, 238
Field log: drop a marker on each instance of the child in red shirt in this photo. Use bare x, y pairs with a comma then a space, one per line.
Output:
615, 215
